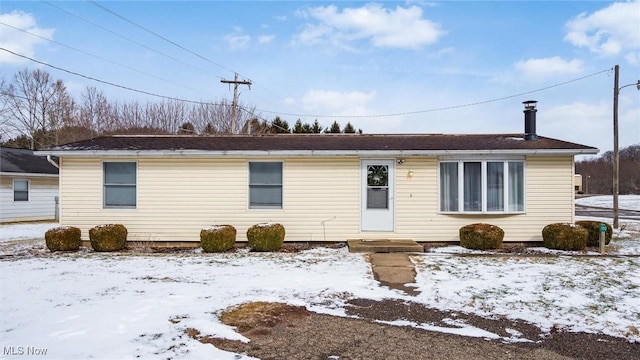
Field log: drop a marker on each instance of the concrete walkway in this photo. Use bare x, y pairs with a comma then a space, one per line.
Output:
394, 270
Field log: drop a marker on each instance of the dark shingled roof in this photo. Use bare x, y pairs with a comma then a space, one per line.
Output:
24, 161
320, 142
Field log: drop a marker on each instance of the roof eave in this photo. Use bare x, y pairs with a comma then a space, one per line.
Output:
25, 174
292, 153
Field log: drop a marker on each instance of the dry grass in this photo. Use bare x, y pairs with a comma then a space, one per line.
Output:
255, 315
255, 318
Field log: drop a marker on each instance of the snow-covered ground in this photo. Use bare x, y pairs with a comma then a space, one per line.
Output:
106, 306
629, 202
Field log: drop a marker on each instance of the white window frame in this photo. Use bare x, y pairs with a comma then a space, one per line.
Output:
105, 185
255, 207
483, 162
28, 189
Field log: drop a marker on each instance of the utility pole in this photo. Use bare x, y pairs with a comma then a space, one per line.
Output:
616, 152
234, 105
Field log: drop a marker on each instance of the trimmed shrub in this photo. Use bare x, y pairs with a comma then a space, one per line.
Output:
63, 238
217, 238
562, 236
593, 227
110, 237
481, 236
265, 237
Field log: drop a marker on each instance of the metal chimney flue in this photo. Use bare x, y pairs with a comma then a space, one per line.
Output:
530, 120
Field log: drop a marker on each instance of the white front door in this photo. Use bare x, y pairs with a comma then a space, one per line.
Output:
377, 191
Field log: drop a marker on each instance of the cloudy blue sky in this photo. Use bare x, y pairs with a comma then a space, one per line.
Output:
385, 66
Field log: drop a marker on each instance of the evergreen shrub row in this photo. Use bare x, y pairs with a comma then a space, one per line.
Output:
260, 237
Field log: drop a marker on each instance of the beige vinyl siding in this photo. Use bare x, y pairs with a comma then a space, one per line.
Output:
548, 199
176, 197
40, 206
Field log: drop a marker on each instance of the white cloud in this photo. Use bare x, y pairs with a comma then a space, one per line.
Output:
397, 28
237, 39
633, 58
265, 39
337, 103
579, 122
544, 68
18, 41
610, 31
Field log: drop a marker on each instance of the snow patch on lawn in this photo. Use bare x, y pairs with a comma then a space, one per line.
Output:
105, 306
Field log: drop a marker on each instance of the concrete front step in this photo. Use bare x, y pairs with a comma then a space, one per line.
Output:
383, 246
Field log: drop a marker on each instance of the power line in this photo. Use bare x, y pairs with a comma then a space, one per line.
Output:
99, 57
438, 109
309, 115
104, 8
108, 82
128, 39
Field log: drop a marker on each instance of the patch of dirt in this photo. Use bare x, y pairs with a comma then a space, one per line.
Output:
255, 315
280, 331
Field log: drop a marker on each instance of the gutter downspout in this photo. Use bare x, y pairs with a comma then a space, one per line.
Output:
50, 160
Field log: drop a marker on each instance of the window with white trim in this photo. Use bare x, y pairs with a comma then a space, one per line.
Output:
20, 190
119, 184
481, 186
265, 185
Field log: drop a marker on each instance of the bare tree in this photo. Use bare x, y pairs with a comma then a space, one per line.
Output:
131, 115
598, 178
95, 112
32, 98
255, 126
5, 128
210, 118
168, 115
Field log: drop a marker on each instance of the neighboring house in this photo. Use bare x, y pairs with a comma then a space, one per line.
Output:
329, 187
28, 186
578, 184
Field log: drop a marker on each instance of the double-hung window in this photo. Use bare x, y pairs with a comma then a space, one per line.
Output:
119, 184
20, 190
481, 186
265, 185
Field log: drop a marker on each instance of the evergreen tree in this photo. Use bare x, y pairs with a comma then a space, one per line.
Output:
316, 128
334, 129
349, 129
306, 129
297, 127
280, 126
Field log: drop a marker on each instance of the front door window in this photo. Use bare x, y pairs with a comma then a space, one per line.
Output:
377, 187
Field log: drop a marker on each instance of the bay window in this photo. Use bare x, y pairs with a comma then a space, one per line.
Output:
481, 186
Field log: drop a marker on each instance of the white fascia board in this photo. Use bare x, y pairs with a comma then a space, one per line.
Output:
23, 175
293, 153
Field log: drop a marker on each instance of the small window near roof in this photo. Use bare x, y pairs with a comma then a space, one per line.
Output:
20, 190
265, 185
119, 184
